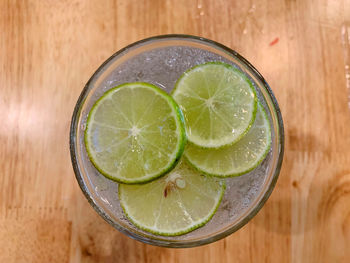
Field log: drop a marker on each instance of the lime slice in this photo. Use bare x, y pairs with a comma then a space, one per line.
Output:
135, 133
175, 204
218, 102
238, 158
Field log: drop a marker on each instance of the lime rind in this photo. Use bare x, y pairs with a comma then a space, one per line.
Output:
190, 228
252, 89
250, 168
177, 113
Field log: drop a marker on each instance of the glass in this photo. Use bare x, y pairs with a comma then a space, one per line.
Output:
161, 60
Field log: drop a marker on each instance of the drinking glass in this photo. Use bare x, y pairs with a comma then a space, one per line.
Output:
161, 60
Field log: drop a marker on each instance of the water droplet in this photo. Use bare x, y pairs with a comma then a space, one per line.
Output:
180, 183
201, 13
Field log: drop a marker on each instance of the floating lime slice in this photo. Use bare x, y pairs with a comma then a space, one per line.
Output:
238, 158
175, 204
135, 133
218, 102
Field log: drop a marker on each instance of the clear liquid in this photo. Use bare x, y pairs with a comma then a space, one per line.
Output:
163, 67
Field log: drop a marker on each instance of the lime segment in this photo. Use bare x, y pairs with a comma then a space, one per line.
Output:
135, 133
175, 204
218, 102
238, 158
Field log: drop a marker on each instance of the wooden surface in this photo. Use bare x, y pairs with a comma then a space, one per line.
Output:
48, 51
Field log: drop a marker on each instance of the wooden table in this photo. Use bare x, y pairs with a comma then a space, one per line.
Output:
49, 49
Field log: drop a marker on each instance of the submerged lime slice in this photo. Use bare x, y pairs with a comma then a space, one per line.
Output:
175, 204
135, 133
238, 158
218, 102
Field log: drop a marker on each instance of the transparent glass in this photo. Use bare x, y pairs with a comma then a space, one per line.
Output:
161, 60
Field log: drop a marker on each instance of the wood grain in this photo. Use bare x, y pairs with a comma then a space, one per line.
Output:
49, 49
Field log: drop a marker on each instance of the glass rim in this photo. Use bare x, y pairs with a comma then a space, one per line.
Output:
180, 243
